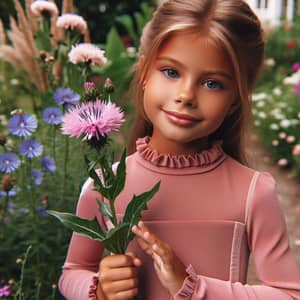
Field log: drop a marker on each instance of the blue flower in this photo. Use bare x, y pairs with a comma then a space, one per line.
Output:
42, 211
22, 124
11, 193
49, 164
31, 148
66, 96
37, 176
52, 116
9, 162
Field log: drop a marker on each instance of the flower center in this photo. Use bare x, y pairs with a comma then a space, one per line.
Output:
7, 162
30, 148
22, 125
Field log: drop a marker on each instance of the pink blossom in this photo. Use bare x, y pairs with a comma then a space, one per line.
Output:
92, 120
282, 162
282, 135
290, 139
89, 85
275, 143
39, 7
87, 53
297, 89
296, 150
5, 291
72, 22
296, 67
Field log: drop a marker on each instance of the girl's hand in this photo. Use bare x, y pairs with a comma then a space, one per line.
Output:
118, 277
170, 270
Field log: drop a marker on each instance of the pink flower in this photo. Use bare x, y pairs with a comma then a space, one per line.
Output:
282, 135
282, 162
275, 143
40, 7
5, 291
296, 67
290, 139
297, 89
87, 53
89, 85
72, 22
296, 150
92, 120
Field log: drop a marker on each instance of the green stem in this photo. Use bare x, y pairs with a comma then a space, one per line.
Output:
66, 158
54, 143
20, 288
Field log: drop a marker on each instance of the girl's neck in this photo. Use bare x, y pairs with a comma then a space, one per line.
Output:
175, 148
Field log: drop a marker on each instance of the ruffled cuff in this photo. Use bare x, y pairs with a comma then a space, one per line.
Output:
189, 285
93, 288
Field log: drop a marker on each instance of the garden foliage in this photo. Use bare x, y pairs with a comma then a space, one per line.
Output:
276, 103
40, 168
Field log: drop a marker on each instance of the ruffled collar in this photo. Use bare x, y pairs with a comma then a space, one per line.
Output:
205, 160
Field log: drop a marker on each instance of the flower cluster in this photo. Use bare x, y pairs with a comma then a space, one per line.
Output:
277, 118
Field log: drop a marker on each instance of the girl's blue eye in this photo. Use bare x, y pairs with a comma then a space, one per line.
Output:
213, 85
170, 73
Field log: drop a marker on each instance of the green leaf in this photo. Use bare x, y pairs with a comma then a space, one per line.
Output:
135, 208
89, 228
119, 180
97, 181
127, 22
104, 209
116, 240
114, 46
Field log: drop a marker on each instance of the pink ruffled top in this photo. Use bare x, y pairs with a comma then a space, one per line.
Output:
212, 211
168, 163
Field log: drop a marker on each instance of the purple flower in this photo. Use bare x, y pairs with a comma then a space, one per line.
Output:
31, 148
9, 162
5, 291
66, 96
52, 116
92, 120
10, 193
296, 67
37, 176
22, 124
297, 89
49, 164
42, 211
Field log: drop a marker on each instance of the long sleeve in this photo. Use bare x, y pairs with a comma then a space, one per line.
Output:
268, 242
84, 254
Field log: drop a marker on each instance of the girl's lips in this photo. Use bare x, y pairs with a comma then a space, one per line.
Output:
181, 119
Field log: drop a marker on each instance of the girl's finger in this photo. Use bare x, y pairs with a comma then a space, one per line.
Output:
136, 261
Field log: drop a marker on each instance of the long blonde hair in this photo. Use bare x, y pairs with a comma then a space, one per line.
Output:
236, 29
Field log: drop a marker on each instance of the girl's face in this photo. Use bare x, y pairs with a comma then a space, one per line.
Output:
188, 93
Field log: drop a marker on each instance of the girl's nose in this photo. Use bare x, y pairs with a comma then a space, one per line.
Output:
186, 96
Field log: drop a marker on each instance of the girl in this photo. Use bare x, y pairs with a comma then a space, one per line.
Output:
197, 66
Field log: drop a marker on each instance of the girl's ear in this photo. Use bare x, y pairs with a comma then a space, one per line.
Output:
234, 106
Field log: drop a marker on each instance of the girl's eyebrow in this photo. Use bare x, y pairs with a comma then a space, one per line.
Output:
206, 72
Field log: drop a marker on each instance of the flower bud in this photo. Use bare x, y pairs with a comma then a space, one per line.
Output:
89, 85
19, 261
7, 183
43, 54
108, 86
2, 139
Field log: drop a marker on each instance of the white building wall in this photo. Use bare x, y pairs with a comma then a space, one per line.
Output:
274, 12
